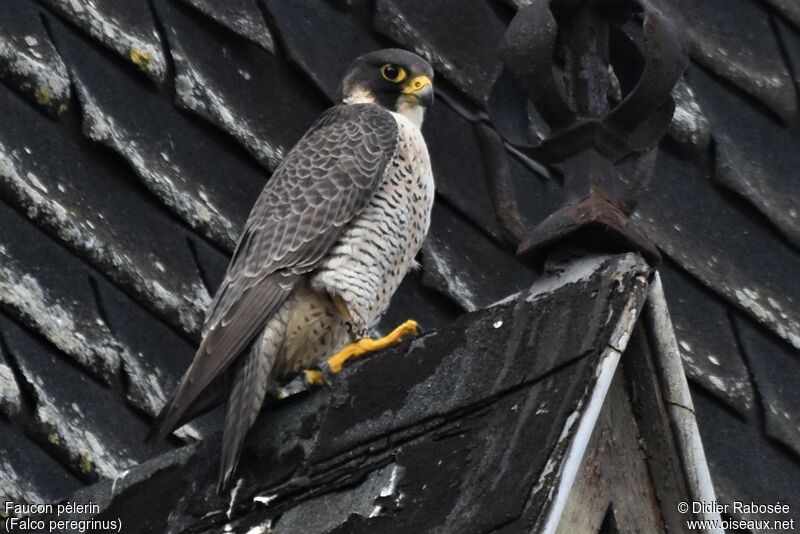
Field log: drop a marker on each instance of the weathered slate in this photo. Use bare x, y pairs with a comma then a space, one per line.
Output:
689, 125
242, 17
788, 8
28, 60
453, 244
460, 39
775, 367
74, 417
125, 26
343, 27
249, 93
458, 166
722, 245
707, 339
27, 473
754, 156
209, 184
469, 415
738, 44
89, 201
745, 465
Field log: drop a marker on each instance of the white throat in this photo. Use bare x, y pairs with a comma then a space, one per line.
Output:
411, 110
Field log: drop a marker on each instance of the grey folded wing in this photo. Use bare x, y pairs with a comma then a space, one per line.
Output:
322, 184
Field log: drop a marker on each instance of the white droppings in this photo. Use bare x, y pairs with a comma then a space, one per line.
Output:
714, 360
264, 528
234, 493
497, 324
265, 499
685, 346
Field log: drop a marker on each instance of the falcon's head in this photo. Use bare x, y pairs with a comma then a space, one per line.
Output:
396, 79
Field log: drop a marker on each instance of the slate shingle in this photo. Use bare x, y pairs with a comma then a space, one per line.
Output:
208, 183
707, 339
249, 93
240, 16
28, 60
125, 26
753, 154
344, 27
721, 244
460, 39
737, 43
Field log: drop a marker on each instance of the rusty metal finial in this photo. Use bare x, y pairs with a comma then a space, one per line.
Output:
600, 73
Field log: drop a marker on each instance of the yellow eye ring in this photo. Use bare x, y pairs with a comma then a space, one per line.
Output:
393, 73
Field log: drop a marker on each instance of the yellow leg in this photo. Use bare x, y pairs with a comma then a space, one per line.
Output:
367, 345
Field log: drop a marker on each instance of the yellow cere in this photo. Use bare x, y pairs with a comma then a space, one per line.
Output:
417, 84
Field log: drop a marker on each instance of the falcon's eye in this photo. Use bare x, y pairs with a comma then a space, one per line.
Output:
393, 73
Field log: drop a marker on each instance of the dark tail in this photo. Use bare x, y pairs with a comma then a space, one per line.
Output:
244, 403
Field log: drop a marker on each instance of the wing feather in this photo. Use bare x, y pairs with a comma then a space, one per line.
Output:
322, 184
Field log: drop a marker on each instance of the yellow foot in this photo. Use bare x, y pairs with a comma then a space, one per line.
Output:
314, 377
367, 345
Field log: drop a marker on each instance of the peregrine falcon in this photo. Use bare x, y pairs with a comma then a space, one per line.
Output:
326, 245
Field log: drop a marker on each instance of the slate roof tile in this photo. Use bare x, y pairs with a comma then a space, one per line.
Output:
463, 46
27, 473
738, 44
77, 418
28, 60
203, 181
727, 249
790, 39
707, 339
689, 125
464, 264
54, 298
788, 8
10, 394
413, 300
775, 366
124, 26
96, 208
745, 466
240, 16
458, 167
251, 94
753, 154
344, 28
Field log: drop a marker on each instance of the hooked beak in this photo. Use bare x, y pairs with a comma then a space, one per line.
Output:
420, 89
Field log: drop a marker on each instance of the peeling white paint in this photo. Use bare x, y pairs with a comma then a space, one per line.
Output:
586, 418
679, 400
